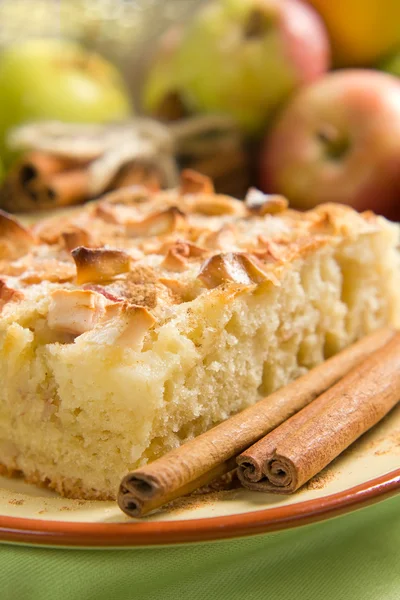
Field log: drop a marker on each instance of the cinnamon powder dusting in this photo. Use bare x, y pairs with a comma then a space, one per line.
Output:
318, 482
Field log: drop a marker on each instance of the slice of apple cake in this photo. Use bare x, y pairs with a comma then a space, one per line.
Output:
141, 320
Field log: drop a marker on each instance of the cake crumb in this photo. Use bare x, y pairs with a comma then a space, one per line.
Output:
16, 502
381, 452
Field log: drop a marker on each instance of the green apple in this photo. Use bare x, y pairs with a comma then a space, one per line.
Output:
57, 79
244, 57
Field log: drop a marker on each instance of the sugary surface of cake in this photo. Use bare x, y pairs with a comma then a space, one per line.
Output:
141, 320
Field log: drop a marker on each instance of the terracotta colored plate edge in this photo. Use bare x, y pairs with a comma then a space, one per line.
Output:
84, 535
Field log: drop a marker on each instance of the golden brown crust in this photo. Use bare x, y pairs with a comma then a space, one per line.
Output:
156, 250
15, 239
265, 204
8, 294
76, 236
99, 264
195, 183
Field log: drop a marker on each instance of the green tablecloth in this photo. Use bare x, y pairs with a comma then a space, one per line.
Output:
353, 557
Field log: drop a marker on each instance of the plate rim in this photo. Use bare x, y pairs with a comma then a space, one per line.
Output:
39, 532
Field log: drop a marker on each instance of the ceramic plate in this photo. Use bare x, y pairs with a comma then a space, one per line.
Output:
367, 472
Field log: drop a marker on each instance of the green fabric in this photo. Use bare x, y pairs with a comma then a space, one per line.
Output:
353, 557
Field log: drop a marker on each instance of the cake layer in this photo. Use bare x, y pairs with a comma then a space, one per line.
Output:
140, 321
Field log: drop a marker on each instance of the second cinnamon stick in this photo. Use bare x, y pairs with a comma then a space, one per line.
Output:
302, 446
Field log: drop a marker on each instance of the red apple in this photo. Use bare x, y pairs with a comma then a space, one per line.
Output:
338, 140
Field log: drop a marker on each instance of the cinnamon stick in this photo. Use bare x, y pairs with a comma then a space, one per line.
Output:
43, 180
213, 453
63, 189
300, 448
41, 164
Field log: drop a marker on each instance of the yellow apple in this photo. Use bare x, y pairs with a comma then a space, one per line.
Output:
361, 31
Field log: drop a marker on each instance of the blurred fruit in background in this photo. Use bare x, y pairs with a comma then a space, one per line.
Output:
391, 64
161, 95
58, 79
328, 137
123, 31
338, 140
244, 57
361, 31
